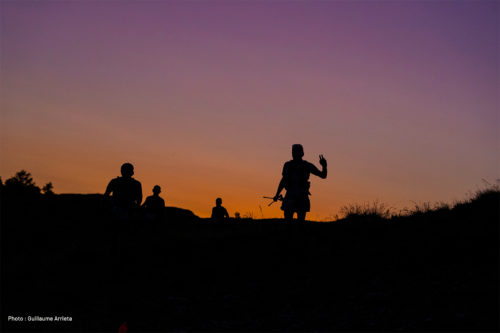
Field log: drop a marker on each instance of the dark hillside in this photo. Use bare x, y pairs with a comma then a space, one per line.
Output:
432, 271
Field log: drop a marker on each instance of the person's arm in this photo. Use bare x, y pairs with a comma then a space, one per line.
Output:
282, 183
281, 186
323, 172
109, 189
107, 193
213, 211
226, 214
139, 193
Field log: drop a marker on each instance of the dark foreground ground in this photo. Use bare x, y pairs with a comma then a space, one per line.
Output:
436, 271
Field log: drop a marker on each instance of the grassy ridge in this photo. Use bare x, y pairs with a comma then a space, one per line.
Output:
429, 270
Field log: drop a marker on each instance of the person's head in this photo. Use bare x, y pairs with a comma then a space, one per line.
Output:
156, 190
127, 170
218, 201
297, 151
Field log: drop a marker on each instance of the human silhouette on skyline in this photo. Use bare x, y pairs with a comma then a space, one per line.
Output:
126, 192
126, 199
296, 182
154, 204
219, 213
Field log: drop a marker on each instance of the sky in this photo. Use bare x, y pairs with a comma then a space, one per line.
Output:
206, 98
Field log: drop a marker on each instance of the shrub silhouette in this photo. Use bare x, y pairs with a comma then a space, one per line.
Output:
375, 210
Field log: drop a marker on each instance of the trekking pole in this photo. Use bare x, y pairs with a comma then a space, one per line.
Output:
280, 198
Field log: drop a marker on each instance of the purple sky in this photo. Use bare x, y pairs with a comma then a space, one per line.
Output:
206, 98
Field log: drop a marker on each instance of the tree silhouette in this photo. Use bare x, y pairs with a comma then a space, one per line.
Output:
47, 189
21, 184
22, 178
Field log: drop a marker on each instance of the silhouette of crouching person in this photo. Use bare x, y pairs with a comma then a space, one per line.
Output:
219, 213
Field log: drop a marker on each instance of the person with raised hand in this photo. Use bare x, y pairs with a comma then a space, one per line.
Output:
295, 181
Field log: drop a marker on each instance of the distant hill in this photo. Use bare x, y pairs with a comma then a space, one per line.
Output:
79, 202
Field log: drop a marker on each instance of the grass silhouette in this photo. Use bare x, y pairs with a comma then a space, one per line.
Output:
380, 211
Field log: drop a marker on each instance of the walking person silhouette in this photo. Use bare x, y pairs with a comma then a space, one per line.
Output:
126, 199
296, 182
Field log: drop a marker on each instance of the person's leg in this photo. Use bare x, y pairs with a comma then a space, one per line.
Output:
301, 216
288, 215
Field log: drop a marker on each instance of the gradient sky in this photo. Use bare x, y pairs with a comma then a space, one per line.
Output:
206, 98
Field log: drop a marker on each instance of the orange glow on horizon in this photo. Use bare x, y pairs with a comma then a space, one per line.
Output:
206, 103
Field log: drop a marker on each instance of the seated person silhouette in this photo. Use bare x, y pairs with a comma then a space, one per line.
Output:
154, 205
126, 193
219, 213
296, 182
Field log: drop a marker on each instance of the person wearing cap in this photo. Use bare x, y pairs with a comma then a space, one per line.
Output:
295, 180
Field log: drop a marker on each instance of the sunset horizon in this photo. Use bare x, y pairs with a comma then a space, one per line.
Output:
206, 99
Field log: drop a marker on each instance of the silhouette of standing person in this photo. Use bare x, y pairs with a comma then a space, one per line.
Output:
296, 182
154, 204
219, 213
126, 198
127, 193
